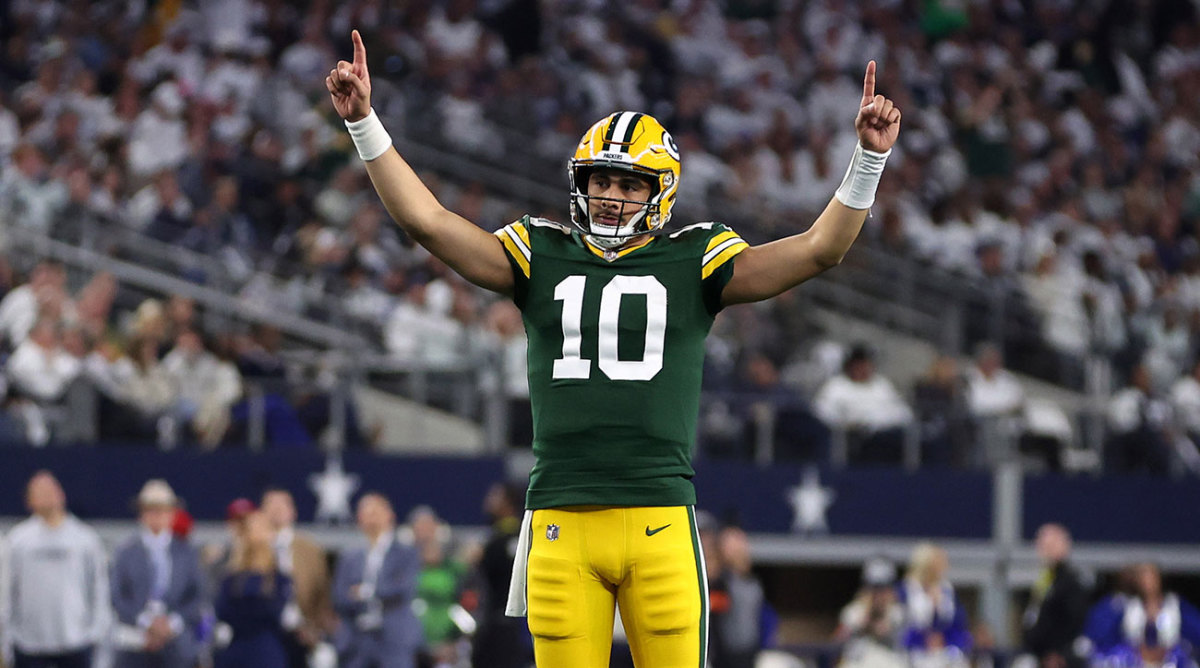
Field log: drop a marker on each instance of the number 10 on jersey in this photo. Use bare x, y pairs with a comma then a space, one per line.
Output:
572, 364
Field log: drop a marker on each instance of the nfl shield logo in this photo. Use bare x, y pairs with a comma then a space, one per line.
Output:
552, 532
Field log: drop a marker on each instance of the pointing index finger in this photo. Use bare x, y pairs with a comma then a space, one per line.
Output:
868, 84
360, 51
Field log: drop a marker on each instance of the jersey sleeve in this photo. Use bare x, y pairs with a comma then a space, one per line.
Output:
716, 263
515, 239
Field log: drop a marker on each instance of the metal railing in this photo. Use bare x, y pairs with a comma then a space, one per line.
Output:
156, 281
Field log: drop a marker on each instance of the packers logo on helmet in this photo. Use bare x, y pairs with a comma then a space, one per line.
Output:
633, 142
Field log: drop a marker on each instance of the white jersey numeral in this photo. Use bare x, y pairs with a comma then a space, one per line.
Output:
572, 364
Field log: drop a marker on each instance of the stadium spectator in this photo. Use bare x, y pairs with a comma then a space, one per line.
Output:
40, 368
500, 641
992, 391
742, 628
1140, 423
252, 598
205, 389
1054, 291
373, 591
1157, 627
215, 557
33, 194
1058, 603
870, 625
160, 208
24, 305
1117, 185
1185, 400
508, 373
422, 332
720, 604
440, 585
942, 415
304, 561
157, 588
935, 623
222, 231
996, 400
145, 389
54, 595
866, 407
1102, 627
158, 137
46, 386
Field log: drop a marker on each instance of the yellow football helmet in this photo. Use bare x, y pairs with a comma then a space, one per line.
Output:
634, 142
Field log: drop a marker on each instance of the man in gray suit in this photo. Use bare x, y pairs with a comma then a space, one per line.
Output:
373, 592
157, 589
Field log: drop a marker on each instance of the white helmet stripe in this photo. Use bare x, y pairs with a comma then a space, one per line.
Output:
620, 129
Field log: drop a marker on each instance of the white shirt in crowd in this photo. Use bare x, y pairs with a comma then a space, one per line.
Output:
18, 312
1130, 408
201, 378
54, 596
40, 373
873, 404
1185, 398
991, 397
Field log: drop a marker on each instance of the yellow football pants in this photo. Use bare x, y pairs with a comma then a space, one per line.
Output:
585, 559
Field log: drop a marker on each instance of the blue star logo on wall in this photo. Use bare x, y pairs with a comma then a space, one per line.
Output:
333, 488
810, 501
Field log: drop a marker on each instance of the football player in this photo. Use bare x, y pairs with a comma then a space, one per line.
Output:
616, 309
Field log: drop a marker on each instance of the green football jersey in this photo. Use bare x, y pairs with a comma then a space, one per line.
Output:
616, 351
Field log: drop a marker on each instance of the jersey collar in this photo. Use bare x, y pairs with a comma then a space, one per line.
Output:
612, 254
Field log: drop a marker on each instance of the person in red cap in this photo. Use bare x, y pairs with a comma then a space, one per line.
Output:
238, 509
215, 556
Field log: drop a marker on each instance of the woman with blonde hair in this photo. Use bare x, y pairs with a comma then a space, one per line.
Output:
252, 599
935, 625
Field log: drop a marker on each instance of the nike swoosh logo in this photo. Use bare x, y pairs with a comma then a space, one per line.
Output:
651, 532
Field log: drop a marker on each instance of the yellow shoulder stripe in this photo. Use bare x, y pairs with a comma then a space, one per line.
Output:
513, 241
718, 239
732, 248
521, 232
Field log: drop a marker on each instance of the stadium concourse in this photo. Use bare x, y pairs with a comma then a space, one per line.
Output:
199, 286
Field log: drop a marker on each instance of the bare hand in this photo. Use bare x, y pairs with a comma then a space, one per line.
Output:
878, 121
158, 634
349, 84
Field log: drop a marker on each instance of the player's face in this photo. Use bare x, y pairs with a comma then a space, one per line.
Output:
608, 187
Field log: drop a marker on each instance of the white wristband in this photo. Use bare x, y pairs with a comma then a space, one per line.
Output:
862, 178
370, 137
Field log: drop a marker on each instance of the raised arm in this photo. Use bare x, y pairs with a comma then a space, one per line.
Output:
469, 250
761, 272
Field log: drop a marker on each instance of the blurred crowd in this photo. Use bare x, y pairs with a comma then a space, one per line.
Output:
1049, 157
1068, 622
265, 595
82, 367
